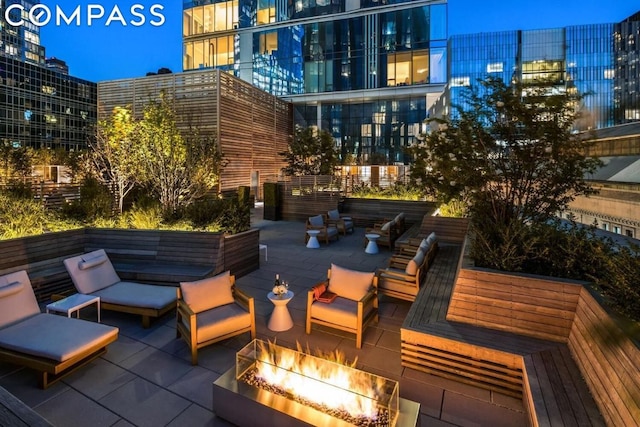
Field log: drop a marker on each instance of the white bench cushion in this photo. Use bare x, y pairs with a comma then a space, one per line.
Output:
221, 321
54, 337
138, 295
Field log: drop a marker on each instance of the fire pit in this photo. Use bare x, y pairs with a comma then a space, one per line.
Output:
274, 385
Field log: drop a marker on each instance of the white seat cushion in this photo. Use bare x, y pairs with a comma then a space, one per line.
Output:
54, 337
138, 295
221, 321
341, 311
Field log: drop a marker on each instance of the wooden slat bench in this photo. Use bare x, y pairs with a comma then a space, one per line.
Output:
15, 413
159, 256
538, 370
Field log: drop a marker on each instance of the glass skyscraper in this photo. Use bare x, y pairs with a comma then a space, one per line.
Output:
600, 61
39, 107
365, 70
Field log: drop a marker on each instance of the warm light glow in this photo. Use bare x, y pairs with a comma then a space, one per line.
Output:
321, 381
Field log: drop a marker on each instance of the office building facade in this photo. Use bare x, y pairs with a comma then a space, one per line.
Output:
364, 70
599, 61
40, 107
21, 41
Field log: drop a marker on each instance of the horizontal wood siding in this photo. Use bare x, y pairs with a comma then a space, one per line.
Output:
368, 211
519, 304
609, 361
42, 256
307, 196
241, 253
448, 230
250, 126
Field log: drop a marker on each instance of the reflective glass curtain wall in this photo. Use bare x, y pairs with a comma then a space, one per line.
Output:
627, 70
399, 44
575, 58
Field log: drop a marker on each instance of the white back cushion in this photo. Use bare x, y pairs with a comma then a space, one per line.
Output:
350, 284
17, 299
316, 221
333, 214
91, 272
205, 294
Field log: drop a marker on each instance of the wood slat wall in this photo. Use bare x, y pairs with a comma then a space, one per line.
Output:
368, 211
42, 256
609, 361
250, 125
525, 305
307, 196
241, 252
448, 230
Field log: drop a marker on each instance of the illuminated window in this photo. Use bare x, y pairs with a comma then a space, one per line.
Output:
406, 68
495, 67
609, 74
221, 16
268, 42
460, 81
266, 12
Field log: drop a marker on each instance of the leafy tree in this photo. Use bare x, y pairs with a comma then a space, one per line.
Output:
113, 154
310, 153
512, 156
178, 169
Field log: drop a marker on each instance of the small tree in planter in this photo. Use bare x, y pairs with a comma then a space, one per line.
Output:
512, 156
310, 152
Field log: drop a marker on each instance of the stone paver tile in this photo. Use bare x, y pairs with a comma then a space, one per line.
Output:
428, 421
158, 335
465, 389
382, 359
196, 385
196, 416
217, 357
157, 366
23, 384
71, 409
429, 397
389, 340
123, 348
123, 423
144, 404
99, 378
466, 411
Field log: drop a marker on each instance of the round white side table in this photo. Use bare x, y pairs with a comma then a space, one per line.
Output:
280, 318
372, 246
313, 242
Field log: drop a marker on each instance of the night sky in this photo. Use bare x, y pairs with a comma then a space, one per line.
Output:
98, 52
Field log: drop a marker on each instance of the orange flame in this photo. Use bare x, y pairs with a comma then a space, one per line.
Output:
330, 383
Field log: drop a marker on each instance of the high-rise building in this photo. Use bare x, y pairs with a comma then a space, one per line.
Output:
600, 61
626, 89
365, 70
20, 41
39, 107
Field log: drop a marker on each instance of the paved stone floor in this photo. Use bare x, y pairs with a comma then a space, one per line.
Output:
146, 379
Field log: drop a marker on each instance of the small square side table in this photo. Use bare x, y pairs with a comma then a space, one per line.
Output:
74, 303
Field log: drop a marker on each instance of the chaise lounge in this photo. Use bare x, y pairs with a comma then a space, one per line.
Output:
53, 345
93, 274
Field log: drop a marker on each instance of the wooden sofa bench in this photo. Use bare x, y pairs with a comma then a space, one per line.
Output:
443, 335
158, 256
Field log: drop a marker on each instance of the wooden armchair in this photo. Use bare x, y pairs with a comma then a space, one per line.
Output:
212, 310
327, 231
403, 277
343, 223
428, 245
355, 306
387, 232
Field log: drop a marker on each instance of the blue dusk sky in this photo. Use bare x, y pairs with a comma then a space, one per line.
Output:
98, 52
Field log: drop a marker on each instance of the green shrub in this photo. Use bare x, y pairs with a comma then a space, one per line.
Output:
398, 191
202, 213
145, 218
21, 217
95, 202
235, 217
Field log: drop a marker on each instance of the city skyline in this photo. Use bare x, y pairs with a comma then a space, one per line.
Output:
98, 52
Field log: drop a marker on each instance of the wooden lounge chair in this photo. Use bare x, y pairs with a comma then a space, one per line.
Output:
387, 232
403, 277
355, 306
327, 231
344, 224
53, 345
93, 274
212, 310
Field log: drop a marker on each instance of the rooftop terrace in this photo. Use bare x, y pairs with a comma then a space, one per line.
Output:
146, 378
